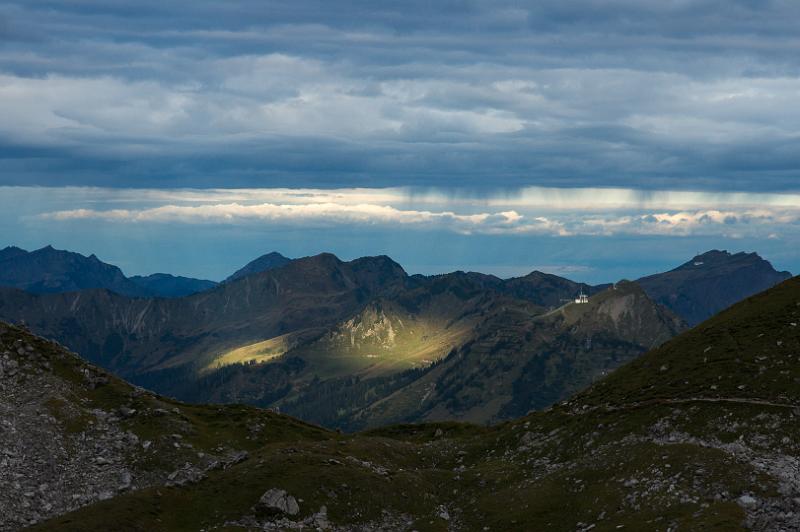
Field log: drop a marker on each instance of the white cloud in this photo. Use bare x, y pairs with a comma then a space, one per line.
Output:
314, 213
539, 198
541, 211
700, 222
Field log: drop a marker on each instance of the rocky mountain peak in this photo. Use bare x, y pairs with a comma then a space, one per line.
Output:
266, 262
11, 252
710, 282
626, 310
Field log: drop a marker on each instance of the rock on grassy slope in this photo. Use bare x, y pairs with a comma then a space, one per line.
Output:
699, 434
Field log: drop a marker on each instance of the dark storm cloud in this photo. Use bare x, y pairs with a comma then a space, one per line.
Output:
650, 94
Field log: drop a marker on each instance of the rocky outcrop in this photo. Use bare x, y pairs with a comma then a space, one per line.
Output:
54, 456
72, 435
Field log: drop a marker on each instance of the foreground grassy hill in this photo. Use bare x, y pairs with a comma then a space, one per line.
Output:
72, 434
699, 434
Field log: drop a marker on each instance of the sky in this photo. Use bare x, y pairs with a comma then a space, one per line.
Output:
596, 140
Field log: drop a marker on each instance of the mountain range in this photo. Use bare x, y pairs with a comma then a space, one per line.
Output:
360, 344
697, 434
50, 270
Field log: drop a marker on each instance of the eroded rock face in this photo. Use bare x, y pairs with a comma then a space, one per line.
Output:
63, 445
54, 457
278, 500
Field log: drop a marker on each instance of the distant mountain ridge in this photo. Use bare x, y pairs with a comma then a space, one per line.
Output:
314, 335
711, 282
166, 285
48, 270
263, 263
361, 343
695, 290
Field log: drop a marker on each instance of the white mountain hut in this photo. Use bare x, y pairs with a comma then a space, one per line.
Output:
582, 298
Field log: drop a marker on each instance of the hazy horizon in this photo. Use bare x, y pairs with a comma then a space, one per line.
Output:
210, 233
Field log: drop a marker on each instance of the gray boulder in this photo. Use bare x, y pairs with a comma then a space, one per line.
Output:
279, 500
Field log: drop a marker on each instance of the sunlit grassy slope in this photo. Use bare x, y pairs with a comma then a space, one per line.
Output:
260, 352
381, 339
368, 344
384, 339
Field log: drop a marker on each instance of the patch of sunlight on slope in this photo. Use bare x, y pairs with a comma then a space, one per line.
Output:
350, 350
258, 352
373, 343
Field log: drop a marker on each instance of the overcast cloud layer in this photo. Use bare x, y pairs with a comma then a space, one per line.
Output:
643, 94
